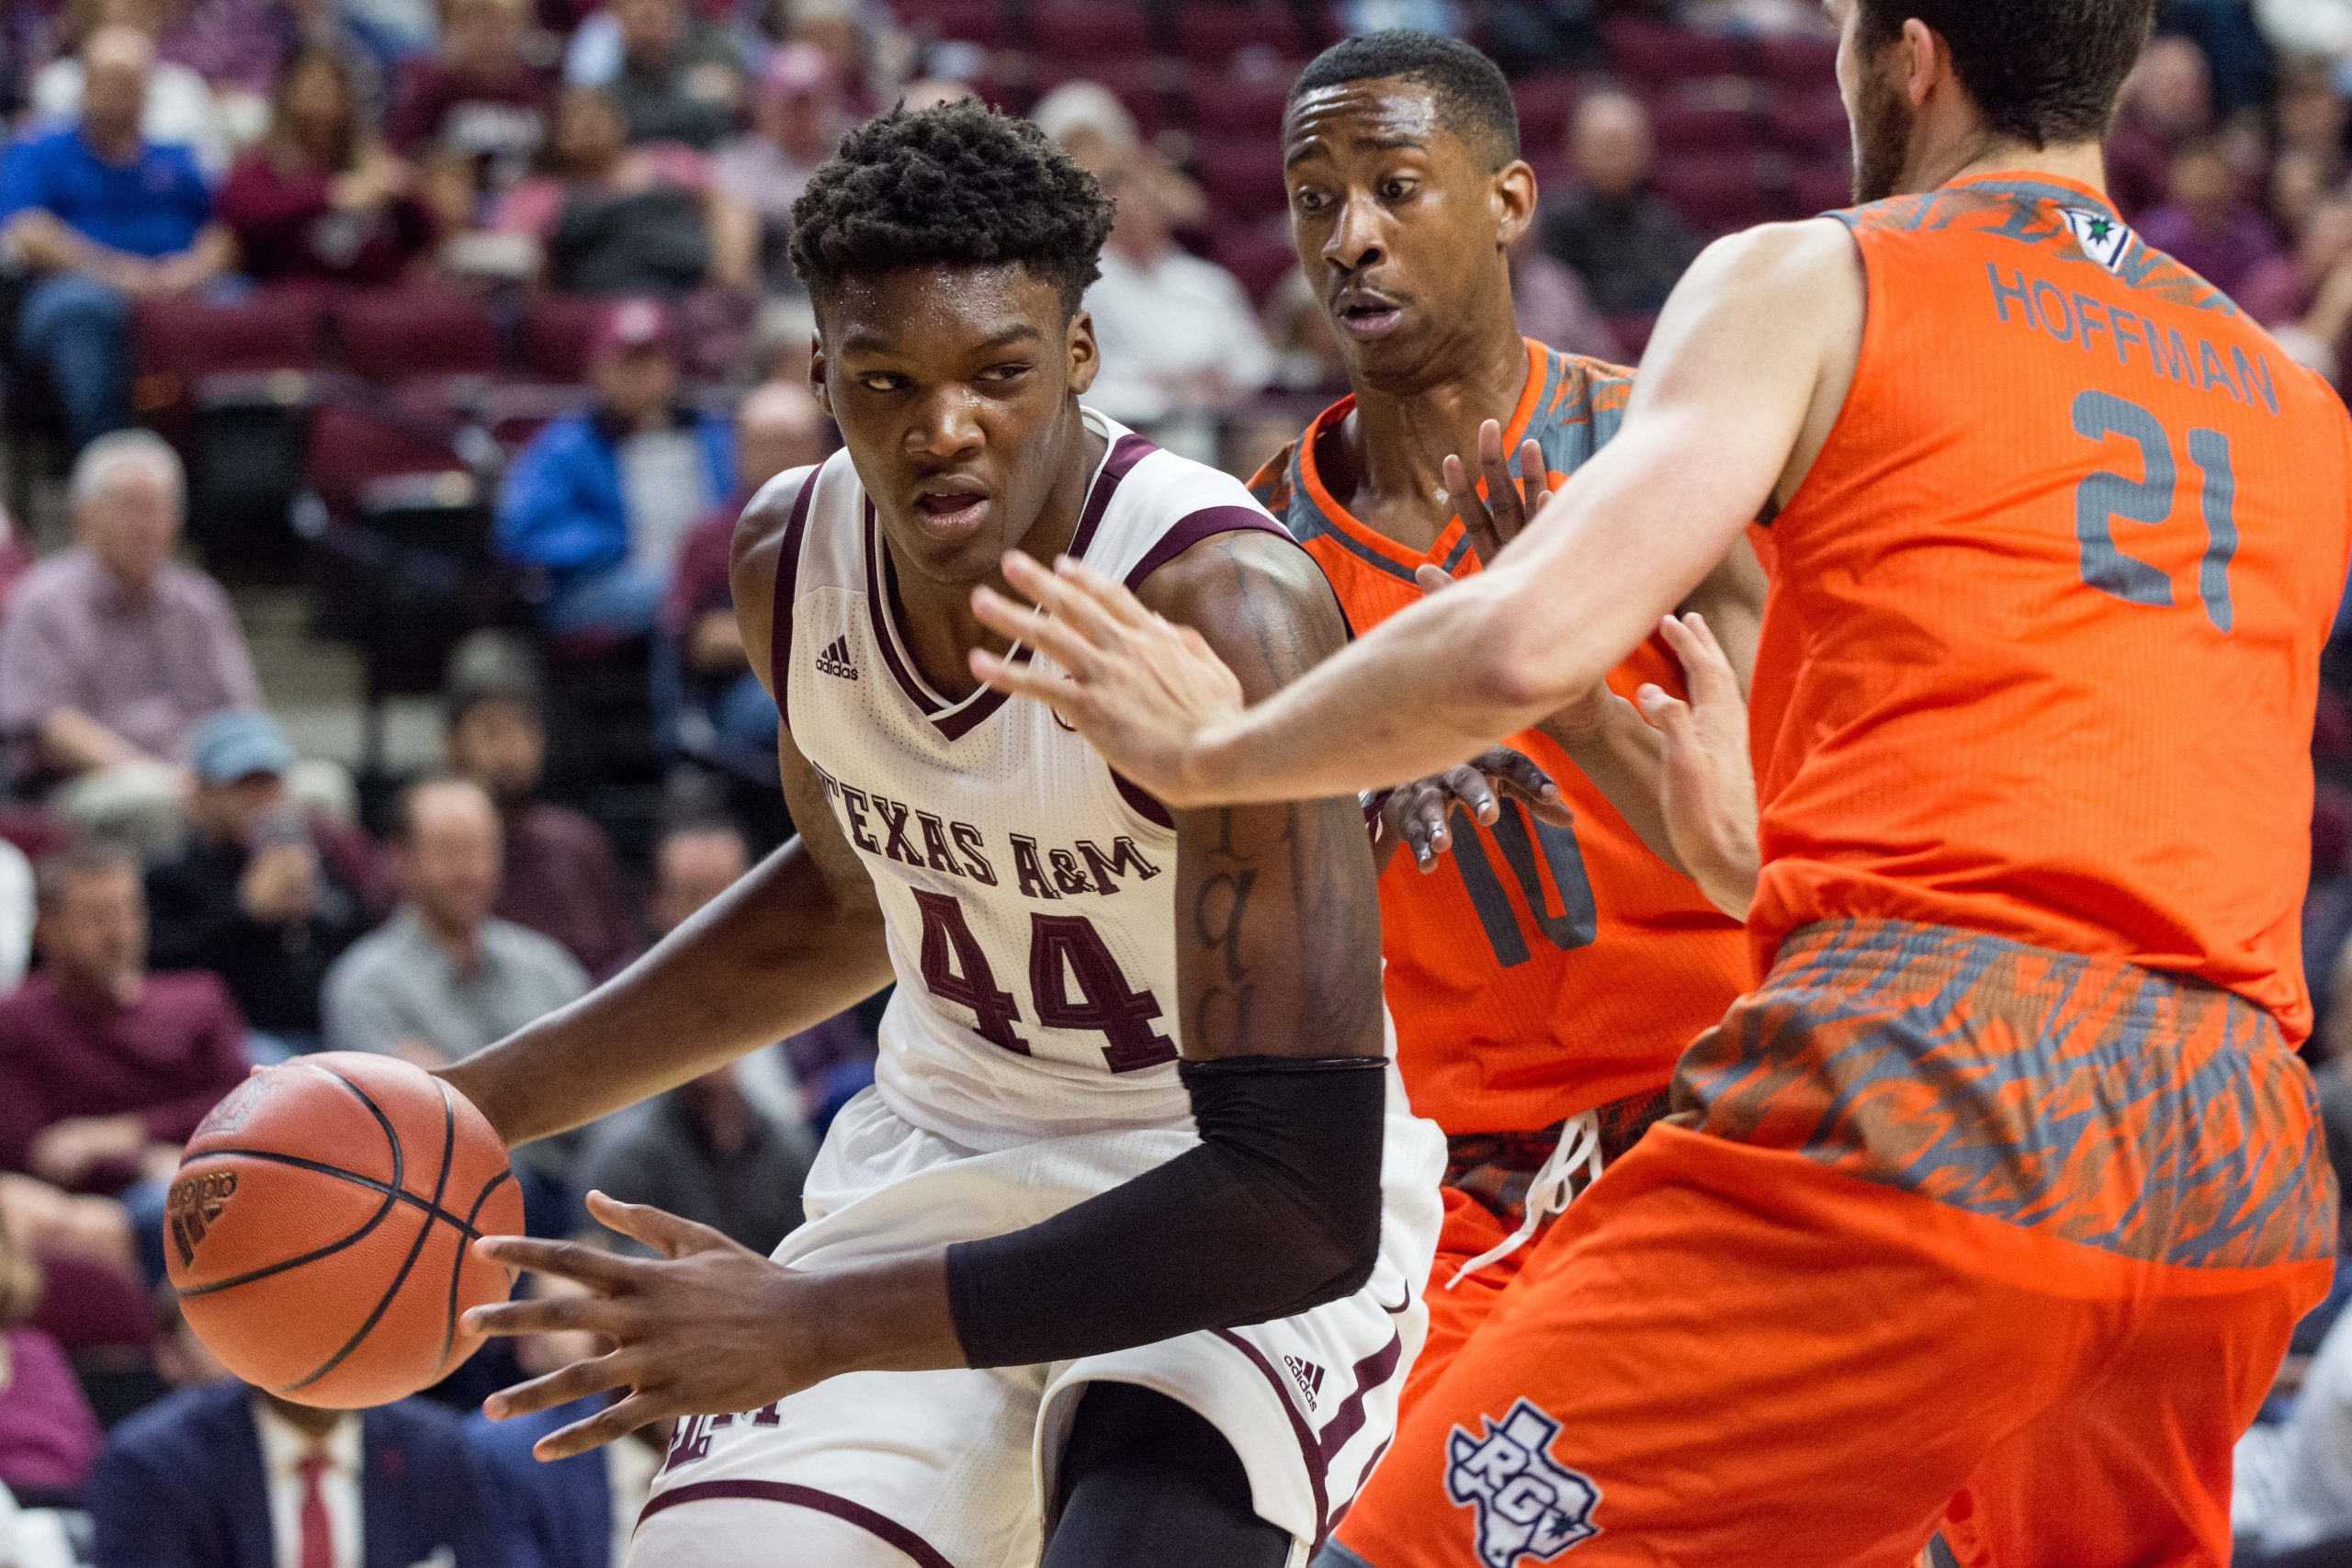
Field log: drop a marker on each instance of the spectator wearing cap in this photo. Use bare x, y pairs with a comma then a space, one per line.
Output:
111, 652
104, 1068
706, 697
558, 874
1618, 234
105, 217
262, 893
474, 115
797, 116
601, 501
444, 977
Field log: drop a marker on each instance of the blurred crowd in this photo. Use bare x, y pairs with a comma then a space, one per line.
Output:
472, 320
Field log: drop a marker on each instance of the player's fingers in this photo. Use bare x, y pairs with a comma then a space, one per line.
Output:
561, 1386
590, 1265
1522, 776
1707, 670
1503, 502
552, 1314
1078, 649
1023, 678
1432, 578
1109, 595
616, 1420
1667, 714
1426, 828
1476, 521
1534, 477
673, 1236
1467, 783
1070, 601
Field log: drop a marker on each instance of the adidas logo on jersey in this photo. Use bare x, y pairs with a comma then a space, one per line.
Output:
1309, 1378
835, 661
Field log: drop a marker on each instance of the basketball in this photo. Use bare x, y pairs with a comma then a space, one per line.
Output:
319, 1230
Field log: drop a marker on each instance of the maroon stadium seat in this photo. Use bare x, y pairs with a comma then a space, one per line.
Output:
1091, 33
1702, 123
1261, 256
1809, 124
272, 329
558, 331
1237, 106
1822, 186
972, 22
1802, 64
1212, 33
1243, 176
1716, 194
352, 448
1653, 53
1546, 104
399, 333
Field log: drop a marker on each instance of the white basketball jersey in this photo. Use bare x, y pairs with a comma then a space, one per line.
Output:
1029, 891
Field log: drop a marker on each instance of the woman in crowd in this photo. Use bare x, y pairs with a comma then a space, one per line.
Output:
318, 197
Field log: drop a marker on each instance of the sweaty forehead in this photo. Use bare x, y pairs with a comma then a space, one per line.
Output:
939, 311
1375, 114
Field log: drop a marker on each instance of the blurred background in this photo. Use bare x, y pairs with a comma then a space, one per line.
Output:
380, 381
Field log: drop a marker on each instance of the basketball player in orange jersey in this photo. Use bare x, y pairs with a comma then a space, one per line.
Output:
1546, 974
1981, 1222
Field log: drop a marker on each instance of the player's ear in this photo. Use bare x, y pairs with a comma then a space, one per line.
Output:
1085, 353
1923, 59
1514, 198
817, 384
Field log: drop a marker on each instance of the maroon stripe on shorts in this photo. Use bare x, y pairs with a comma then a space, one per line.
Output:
889, 1532
1310, 1452
1368, 1374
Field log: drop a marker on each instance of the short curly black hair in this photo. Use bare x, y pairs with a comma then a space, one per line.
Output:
957, 186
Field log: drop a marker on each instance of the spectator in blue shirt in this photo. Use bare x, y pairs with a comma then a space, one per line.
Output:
601, 501
106, 218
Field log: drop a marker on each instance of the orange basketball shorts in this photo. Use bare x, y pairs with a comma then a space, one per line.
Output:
1952, 1243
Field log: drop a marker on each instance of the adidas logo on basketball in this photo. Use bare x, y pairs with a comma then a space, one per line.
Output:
1309, 1378
835, 661
194, 1202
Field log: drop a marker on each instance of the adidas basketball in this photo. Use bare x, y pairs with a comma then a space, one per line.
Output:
319, 1230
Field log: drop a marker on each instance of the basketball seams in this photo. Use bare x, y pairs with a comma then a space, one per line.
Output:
457, 1269
398, 1195
423, 1231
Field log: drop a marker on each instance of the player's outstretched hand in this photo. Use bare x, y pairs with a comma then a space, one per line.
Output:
707, 1326
1707, 790
1416, 814
1510, 502
1136, 685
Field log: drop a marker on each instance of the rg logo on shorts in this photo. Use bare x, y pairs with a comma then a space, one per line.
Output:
1529, 1505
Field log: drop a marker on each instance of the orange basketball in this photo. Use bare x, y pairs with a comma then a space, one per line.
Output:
319, 1229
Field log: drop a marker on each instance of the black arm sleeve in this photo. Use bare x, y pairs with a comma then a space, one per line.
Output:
1277, 1211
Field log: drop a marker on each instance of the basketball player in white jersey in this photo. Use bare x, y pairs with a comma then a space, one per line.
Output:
1191, 1355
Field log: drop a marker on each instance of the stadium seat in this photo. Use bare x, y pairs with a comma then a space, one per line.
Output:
1546, 104
402, 334
1717, 194
1243, 175
1090, 35
1259, 256
1799, 63
970, 21
1821, 185
1702, 123
558, 331
1210, 34
1651, 51
182, 338
1238, 105
1809, 125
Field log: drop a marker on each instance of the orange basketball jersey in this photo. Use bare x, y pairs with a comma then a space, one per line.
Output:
1539, 971
2056, 590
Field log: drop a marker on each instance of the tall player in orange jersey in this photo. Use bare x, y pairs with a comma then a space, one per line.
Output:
1981, 1222
1546, 974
